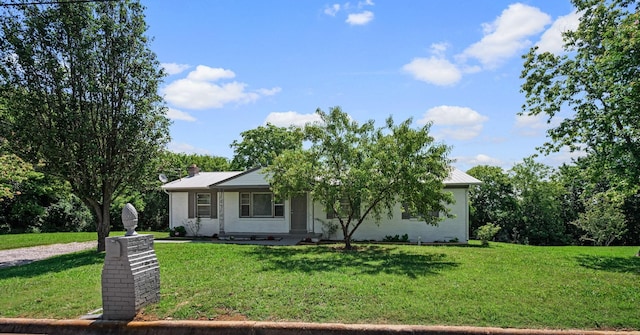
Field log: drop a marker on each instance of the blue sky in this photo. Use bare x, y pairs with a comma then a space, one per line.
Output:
236, 65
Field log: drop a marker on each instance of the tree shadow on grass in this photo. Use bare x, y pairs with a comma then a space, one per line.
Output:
53, 264
366, 260
629, 264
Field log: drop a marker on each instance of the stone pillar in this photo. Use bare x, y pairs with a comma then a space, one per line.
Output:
130, 276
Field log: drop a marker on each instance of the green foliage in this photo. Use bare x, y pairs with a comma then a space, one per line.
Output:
357, 171
174, 165
538, 217
13, 170
80, 87
260, 146
593, 88
396, 238
328, 227
603, 222
487, 232
493, 201
178, 231
43, 204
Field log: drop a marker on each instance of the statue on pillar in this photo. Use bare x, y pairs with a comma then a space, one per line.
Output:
130, 219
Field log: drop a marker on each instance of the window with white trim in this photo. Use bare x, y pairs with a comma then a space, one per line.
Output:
203, 205
260, 205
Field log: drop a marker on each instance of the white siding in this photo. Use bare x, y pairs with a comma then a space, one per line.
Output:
447, 230
233, 223
179, 215
179, 208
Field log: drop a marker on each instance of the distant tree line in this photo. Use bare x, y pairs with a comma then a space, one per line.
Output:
536, 204
37, 202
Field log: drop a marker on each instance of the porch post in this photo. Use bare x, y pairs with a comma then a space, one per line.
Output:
221, 211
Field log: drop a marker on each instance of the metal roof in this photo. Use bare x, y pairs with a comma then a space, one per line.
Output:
205, 180
457, 177
201, 180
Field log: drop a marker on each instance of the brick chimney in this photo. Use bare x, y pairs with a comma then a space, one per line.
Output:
193, 170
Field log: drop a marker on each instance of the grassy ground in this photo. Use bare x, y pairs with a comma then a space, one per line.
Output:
503, 285
12, 241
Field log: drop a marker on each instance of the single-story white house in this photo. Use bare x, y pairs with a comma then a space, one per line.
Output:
241, 203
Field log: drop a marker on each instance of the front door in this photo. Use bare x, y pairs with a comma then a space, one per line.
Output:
299, 214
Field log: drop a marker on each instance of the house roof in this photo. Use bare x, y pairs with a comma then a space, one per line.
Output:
459, 178
206, 180
202, 180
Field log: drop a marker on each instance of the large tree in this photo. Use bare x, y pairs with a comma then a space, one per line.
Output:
493, 201
80, 84
593, 88
260, 146
357, 171
538, 217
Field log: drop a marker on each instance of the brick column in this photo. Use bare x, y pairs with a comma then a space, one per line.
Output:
130, 276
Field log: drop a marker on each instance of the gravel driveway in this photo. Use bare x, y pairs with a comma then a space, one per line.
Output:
21, 256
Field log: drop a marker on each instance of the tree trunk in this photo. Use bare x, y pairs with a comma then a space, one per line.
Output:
103, 225
347, 237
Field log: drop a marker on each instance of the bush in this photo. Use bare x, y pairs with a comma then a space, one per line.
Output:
487, 232
396, 238
178, 231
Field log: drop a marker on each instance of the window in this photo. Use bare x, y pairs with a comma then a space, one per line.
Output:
406, 215
345, 209
203, 205
260, 205
245, 205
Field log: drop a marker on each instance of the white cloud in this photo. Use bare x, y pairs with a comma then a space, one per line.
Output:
551, 40
332, 10
479, 159
453, 116
174, 68
205, 73
365, 3
285, 119
269, 91
199, 90
433, 70
507, 35
360, 19
175, 114
460, 123
186, 148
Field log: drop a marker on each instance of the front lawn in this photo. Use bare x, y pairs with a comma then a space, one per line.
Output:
13, 241
503, 285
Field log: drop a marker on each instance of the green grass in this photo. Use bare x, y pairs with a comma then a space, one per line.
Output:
503, 285
12, 241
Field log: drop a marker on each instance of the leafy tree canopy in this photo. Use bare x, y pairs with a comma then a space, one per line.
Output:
260, 146
358, 171
494, 200
593, 87
80, 85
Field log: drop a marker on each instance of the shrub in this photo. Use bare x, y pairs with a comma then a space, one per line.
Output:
396, 238
487, 232
178, 231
